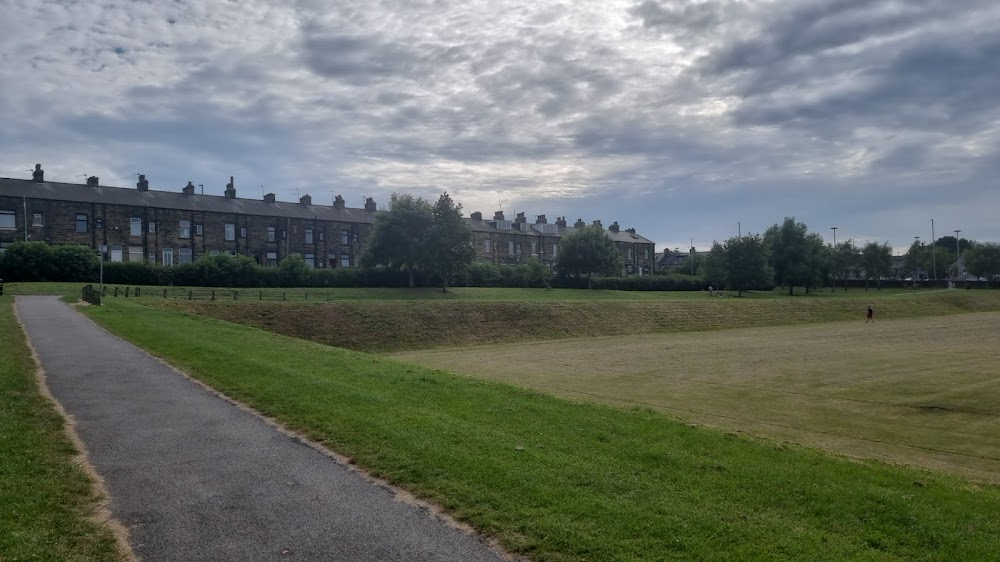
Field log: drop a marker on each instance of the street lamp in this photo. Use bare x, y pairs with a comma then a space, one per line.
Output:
933, 252
834, 229
692, 257
958, 253
104, 250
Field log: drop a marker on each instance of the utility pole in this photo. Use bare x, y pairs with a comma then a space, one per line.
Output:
958, 254
834, 229
692, 257
933, 249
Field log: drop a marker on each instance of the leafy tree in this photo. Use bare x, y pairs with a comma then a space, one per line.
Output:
26, 261
588, 251
293, 271
399, 238
876, 259
819, 262
447, 249
983, 260
715, 266
915, 257
843, 259
794, 255
746, 263
75, 263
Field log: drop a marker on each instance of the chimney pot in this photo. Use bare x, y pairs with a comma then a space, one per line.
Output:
188, 189
231, 189
93, 181
338, 202
614, 227
498, 216
477, 216
579, 223
38, 175
370, 204
598, 224
540, 219
306, 200
269, 198
143, 183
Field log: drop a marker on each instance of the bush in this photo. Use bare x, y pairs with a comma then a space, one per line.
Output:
74, 263
27, 261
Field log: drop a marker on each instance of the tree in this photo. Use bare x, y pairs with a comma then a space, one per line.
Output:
983, 260
715, 266
844, 259
588, 251
399, 238
819, 262
794, 255
876, 259
448, 248
915, 257
746, 263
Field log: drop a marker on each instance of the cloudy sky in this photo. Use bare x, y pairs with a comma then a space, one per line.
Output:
683, 119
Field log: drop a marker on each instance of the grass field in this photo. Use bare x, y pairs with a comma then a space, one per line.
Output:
46, 501
561, 479
920, 391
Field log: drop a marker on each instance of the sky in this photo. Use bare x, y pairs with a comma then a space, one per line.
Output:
687, 120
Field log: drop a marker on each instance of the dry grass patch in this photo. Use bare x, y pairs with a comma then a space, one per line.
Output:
918, 391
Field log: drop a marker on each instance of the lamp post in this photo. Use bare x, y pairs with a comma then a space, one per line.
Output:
933, 249
958, 254
692, 257
834, 229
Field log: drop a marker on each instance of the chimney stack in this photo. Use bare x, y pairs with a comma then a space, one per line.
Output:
598, 224
231, 189
143, 184
630, 230
269, 198
188, 189
477, 216
561, 221
93, 181
306, 200
370, 204
498, 216
579, 224
614, 227
38, 176
338, 202
540, 219
519, 219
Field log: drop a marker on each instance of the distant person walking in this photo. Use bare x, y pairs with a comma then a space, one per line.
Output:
871, 316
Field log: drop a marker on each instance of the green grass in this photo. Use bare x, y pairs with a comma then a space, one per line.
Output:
387, 325
560, 480
45, 499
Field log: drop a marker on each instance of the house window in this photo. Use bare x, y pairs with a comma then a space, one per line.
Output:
534, 247
81, 223
284, 234
503, 225
272, 258
510, 247
345, 237
321, 237
184, 255
185, 230
36, 219
630, 253
99, 224
151, 227
243, 232
198, 230
151, 257
230, 232
116, 254
168, 256
3, 247
135, 226
270, 234
7, 220
310, 260
345, 260
645, 253
487, 246
309, 236
555, 249
135, 253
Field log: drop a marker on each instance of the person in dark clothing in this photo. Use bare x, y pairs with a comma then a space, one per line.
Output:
871, 316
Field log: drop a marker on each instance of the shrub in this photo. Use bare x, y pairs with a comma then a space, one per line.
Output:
74, 263
27, 261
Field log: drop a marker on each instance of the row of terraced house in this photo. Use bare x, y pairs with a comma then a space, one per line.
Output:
166, 228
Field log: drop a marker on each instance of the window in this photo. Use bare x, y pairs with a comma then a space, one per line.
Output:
184, 255
198, 230
213, 252
151, 257
272, 258
81, 223
151, 227
135, 253
309, 236
3, 247
36, 219
99, 224
185, 230
555, 249
549, 228
503, 225
230, 232
243, 232
116, 254
310, 260
8, 220
345, 260
510, 247
487, 246
168, 256
345, 237
270, 234
320, 236
630, 253
534, 247
135, 227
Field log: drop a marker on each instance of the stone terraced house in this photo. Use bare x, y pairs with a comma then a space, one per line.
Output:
167, 228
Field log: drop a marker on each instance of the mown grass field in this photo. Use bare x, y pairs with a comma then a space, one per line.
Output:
46, 500
922, 391
560, 479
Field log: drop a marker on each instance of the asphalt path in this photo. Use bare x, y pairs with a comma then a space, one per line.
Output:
194, 477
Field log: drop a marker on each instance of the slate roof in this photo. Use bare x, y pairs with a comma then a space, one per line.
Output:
57, 191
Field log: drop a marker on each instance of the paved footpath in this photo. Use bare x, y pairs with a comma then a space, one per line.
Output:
193, 477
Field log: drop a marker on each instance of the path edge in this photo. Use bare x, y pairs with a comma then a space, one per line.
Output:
101, 509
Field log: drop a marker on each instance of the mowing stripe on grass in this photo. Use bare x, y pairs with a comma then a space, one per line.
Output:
560, 480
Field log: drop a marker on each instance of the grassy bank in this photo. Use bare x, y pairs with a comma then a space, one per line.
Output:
559, 480
45, 499
394, 325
